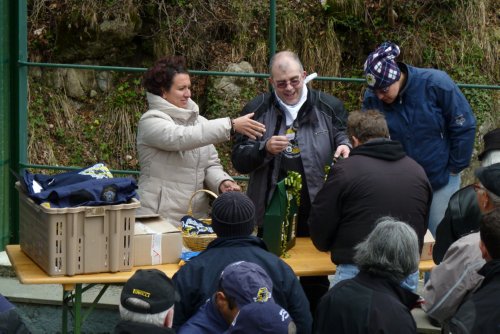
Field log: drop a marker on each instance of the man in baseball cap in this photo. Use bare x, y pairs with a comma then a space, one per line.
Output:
147, 303
463, 214
240, 283
456, 277
233, 220
262, 318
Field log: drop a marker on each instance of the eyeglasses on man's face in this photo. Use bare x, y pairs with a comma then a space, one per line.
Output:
382, 90
477, 186
284, 83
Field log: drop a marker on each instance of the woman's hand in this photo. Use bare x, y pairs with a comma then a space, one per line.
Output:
245, 125
228, 185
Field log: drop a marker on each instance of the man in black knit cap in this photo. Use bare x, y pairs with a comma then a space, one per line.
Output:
233, 220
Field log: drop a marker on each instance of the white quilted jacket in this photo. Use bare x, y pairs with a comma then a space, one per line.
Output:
177, 157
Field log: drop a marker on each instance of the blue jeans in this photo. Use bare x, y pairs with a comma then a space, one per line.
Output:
347, 271
440, 200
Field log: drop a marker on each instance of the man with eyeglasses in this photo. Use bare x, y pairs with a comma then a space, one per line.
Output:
305, 130
457, 277
428, 114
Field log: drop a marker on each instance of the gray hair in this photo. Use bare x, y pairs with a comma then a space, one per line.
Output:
390, 250
157, 319
280, 54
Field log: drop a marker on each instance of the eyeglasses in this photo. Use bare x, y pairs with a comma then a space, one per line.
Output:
382, 90
477, 187
284, 83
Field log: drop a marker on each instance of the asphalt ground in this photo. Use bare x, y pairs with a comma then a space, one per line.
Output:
40, 318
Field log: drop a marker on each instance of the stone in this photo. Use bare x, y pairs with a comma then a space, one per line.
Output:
232, 85
73, 85
104, 81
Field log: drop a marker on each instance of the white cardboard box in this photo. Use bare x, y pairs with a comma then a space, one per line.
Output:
428, 246
156, 241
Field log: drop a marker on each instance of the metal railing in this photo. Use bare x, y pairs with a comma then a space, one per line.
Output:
14, 104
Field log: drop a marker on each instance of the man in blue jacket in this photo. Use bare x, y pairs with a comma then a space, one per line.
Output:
241, 283
428, 114
233, 220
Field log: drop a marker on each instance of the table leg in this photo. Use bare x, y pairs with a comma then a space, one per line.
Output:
65, 301
72, 300
77, 308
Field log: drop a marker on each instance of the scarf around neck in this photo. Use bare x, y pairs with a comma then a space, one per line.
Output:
291, 111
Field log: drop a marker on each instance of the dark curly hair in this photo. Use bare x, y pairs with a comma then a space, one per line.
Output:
159, 77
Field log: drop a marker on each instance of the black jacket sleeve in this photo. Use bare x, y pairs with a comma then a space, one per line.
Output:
325, 211
247, 154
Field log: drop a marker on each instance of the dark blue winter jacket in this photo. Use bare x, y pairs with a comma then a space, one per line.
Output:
208, 320
197, 280
432, 119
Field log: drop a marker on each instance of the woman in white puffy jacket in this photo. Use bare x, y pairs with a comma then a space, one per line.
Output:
175, 145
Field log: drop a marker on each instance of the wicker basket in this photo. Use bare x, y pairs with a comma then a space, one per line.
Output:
198, 242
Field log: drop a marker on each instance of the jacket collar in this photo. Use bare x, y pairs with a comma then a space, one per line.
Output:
158, 103
490, 270
249, 241
407, 297
381, 148
409, 77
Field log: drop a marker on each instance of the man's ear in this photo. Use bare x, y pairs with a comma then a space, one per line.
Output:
355, 141
484, 251
169, 318
220, 299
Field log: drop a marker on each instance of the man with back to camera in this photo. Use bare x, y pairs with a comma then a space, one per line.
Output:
147, 303
233, 220
304, 131
262, 318
240, 284
374, 300
425, 111
377, 180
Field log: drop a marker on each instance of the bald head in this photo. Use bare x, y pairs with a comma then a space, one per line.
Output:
287, 77
284, 61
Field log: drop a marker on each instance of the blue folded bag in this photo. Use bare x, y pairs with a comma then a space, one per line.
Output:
90, 186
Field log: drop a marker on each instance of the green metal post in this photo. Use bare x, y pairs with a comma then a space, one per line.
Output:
5, 101
18, 107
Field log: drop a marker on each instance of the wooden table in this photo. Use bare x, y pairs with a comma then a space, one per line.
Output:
304, 259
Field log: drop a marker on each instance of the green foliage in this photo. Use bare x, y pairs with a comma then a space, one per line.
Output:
219, 105
331, 37
127, 92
